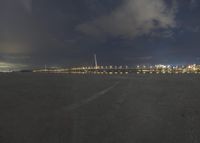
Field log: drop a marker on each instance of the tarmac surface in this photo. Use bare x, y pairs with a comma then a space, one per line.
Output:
59, 108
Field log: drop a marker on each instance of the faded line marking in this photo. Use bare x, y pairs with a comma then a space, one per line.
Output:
95, 96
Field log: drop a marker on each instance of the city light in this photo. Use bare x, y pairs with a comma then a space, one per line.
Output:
110, 70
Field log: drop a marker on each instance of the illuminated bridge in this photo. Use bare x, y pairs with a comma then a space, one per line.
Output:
110, 70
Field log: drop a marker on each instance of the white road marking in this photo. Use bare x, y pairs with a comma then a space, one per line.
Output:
95, 96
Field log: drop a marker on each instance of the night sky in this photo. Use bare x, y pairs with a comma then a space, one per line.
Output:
121, 32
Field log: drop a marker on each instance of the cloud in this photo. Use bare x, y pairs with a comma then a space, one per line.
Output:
189, 28
133, 18
169, 34
14, 48
193, 4
194, 29
27, 4
5, 66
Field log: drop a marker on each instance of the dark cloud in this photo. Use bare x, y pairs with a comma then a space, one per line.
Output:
133, 18
193, 4
27, 4
69, 32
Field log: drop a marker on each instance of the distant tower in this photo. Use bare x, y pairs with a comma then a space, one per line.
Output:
45, 68
95, 61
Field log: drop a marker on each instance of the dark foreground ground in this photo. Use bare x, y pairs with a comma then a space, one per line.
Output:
43, 108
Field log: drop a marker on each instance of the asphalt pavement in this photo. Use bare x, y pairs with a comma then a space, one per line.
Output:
99, 109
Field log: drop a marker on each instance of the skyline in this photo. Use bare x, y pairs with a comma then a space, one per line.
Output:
121, 32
